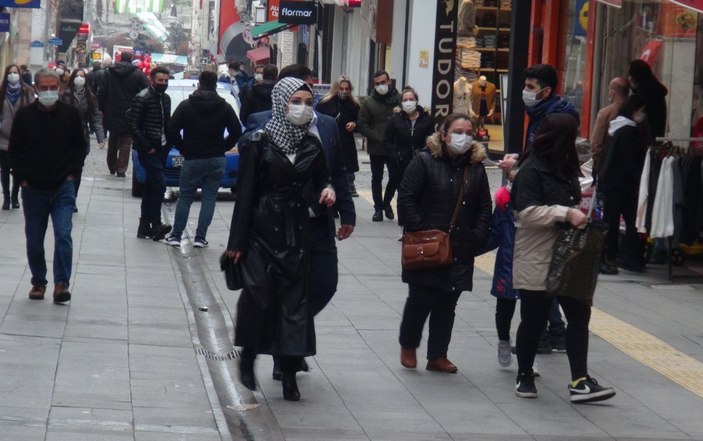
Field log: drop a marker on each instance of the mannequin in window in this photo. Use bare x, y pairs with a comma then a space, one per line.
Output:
467, 19
462, 96
483, 99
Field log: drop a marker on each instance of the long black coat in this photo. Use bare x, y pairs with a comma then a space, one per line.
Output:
120, 84
426, 200
344, 112
404, 138
624, 161
270, 224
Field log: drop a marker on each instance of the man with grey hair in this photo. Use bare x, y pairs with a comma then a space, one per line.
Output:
47, 149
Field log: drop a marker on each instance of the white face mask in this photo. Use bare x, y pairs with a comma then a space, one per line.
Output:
48, 98
13, 78
59, 71
530, 97
259, 77
460, 143
79, 82
299, 114
409, 106
381, 89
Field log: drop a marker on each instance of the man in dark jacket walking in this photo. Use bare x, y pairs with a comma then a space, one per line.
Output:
374, 114
47, 149
122, 82
147, 118
257, 97
203, 118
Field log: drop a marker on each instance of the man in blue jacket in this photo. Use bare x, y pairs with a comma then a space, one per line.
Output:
540, 99
323, 249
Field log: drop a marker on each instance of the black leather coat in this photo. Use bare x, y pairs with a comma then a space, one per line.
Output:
147, 119
270, 224
426, 200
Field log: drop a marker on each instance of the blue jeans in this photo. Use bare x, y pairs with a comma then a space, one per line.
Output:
38, 205
206, 173
155, 184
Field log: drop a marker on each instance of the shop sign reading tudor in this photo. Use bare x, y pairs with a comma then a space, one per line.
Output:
444, 62
297, 12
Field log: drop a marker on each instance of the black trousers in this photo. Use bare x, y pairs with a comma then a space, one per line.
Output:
324, 273
5, 177
380, 199
534, 311
505, 309
616, 204
439, 306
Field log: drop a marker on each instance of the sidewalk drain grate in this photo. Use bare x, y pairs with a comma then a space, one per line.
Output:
232, 355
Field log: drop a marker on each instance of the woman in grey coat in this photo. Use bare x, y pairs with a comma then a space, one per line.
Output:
78, 94
14, 94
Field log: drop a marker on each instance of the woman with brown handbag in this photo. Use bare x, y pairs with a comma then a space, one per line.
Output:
444, 188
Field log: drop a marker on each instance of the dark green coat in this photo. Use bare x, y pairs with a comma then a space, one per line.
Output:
374, 114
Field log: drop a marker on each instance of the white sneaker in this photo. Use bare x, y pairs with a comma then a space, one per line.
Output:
535, 372
505, 358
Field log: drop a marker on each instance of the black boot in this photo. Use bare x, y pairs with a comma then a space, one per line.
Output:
290, 387
246, 372
159, 231
15, 198
276, 374
144, 230
6, 204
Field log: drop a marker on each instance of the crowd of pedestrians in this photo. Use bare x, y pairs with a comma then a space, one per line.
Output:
297, 174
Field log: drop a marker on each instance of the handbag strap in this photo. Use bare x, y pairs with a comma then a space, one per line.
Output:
455, 215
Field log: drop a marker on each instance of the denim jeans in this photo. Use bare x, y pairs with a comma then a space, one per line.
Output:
206, 173
155, 184
38, 205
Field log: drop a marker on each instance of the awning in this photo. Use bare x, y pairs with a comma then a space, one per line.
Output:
169, 59
260, 55
269, 28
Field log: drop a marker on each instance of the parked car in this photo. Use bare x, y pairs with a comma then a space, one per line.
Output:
179, 90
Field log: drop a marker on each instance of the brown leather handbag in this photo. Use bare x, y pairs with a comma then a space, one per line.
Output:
431, 248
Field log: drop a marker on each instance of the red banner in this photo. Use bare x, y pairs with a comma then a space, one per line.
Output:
272, 7
677, 22
614, 3
696, 5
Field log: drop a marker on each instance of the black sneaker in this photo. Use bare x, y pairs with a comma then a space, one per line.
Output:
558, 344
525, 385
608, 269
587, 390
200, 242
377, 216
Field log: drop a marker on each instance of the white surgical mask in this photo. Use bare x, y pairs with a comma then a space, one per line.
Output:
299, 114
79, 82
259, 77
409, 106
13, 78
48, 98
460, 143
530, 97
59, 71
381, 89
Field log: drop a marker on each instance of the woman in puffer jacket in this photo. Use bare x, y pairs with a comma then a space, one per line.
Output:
426, 200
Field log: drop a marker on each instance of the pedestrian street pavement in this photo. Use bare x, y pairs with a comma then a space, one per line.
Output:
134, 356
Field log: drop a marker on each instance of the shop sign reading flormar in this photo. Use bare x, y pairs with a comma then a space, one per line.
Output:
444, 62
696, 5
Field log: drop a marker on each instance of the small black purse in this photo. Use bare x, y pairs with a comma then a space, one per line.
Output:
233, 272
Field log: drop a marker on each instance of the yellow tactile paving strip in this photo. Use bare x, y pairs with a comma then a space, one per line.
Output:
643, 347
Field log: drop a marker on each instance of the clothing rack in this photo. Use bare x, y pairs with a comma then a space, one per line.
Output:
683, 147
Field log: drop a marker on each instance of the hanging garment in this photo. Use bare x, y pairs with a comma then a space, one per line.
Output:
663, 210
643, 198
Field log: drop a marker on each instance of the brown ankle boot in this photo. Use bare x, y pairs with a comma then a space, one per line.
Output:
441, 365
408, 358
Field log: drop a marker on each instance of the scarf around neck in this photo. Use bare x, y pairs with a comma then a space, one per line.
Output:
13, 92
285, 136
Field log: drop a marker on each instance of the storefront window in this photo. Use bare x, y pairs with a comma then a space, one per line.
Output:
575, 61
664, 35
